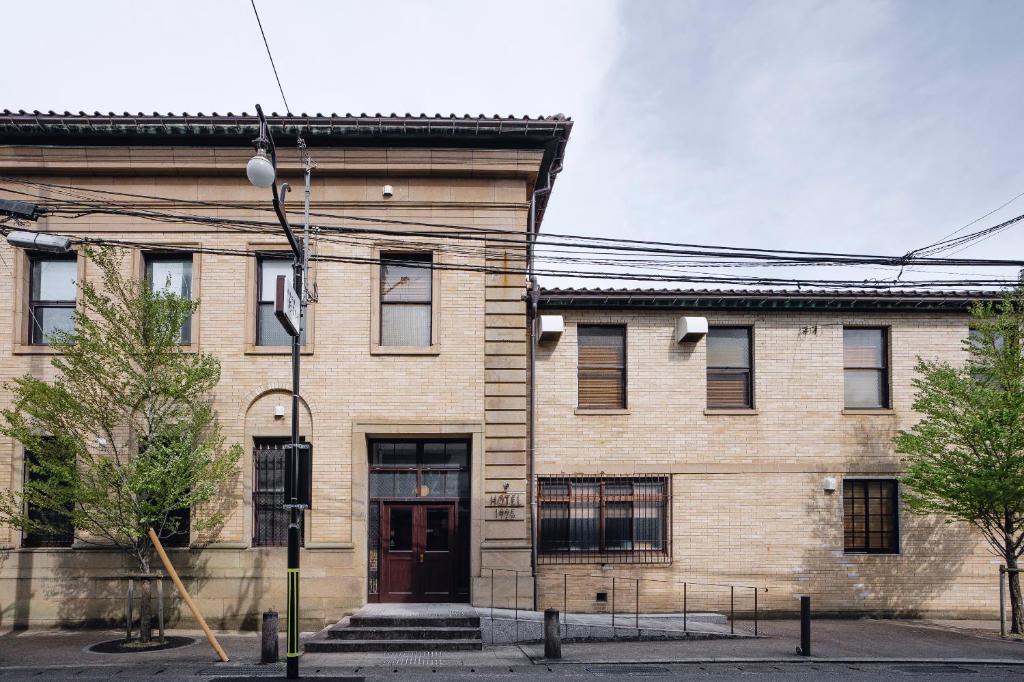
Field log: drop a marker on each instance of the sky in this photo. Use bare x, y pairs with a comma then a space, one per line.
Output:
844, 126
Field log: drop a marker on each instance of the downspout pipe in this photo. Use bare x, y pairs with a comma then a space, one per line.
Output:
533, 299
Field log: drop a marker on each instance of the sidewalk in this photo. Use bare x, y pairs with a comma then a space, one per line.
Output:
61, 654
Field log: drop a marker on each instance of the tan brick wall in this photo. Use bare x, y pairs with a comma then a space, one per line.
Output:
748, 505
472, 385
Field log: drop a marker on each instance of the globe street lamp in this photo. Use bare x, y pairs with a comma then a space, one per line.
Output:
262, 173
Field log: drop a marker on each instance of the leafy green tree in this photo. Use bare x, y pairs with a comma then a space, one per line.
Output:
965, 458
125, 436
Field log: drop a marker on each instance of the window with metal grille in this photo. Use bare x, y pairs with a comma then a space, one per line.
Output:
269, 517
870, 516
603, 520
269, 331
59, 531
601, 366
406, 292
865, 367
729, 367
172, 274
51, 304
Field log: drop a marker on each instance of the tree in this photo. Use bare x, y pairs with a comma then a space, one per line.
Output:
965, 458
125, 436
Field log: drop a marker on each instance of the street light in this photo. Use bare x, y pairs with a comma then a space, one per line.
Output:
39, 241
262, 172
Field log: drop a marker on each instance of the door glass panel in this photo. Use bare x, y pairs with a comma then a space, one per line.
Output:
400, 527
437, 530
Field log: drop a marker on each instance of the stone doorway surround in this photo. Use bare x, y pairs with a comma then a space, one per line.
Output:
364, 431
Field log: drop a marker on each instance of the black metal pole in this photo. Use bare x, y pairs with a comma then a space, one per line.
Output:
805, 626
292, 665
292, 458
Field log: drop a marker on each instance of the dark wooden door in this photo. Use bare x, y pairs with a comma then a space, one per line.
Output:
436, 569
398, 579
419, 549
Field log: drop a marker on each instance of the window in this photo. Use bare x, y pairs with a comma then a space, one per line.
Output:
866, 374
870, 516
602, 366
730, 381
172, 274
269, 331
179, 537
51, 297
603, 520
60, 532
406, 285
270, 518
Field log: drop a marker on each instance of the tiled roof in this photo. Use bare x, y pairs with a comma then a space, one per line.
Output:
765, 299
363, 124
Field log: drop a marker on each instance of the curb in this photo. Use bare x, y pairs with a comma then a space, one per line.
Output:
801, 659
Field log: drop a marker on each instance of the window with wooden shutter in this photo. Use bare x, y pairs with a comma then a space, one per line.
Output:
870, 516
729, 365
602, 366
865, 368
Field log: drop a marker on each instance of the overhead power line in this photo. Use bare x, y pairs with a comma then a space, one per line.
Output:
546, 244
288, 109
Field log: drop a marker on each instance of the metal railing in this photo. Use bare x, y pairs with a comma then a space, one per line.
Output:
632, 603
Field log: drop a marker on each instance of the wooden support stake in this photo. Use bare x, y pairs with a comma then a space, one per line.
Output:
184, 595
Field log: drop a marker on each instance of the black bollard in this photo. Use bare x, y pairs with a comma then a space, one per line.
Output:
268, 649
552, 635
805, 626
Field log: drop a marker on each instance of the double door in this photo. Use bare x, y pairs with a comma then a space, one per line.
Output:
418, 551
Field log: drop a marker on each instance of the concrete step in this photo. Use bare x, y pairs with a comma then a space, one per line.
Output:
414, 621
378, 633
344, 645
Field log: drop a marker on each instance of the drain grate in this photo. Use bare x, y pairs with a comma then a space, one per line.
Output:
933, 669
628, 670
419, 658
243, 669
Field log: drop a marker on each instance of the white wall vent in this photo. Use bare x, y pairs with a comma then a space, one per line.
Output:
550, 327
691, 329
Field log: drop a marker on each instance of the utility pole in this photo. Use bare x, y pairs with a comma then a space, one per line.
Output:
289, 308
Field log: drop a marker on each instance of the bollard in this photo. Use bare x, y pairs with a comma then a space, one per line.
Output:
268, 647
805, 626
552, 636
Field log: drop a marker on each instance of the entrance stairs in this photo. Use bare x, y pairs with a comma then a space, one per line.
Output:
403, 627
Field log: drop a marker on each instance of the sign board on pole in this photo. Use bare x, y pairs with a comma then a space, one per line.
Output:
287, 307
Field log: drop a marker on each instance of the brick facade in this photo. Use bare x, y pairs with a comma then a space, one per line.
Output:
748, 504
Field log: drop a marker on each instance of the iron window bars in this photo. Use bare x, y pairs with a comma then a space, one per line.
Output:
60, 532
870, 516
729, 367
270, 518
603, 519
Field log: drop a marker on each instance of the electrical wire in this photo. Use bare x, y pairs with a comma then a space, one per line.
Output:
288, 109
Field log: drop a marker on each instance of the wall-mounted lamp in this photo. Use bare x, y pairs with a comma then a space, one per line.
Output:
278, 411
828, 484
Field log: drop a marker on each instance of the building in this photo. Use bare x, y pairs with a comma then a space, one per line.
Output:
732, 459
758, 454
414, 387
